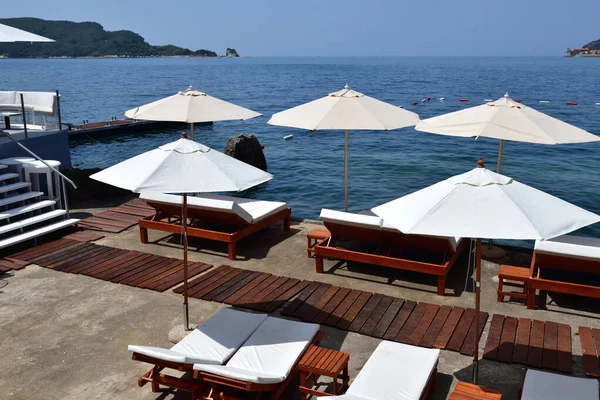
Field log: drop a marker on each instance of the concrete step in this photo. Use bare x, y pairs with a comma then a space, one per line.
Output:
19, 197
37, 232
25, 209
36, 219
14, 186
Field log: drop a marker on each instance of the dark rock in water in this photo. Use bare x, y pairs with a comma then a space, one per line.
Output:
247, 148
231, 53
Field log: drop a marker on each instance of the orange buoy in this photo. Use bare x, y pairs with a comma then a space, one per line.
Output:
463, 100
571, 103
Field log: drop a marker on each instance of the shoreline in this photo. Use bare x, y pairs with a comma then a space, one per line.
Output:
111, 57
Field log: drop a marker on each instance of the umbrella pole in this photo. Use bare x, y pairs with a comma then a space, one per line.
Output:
499, 165
186, 324
477, 310
346, 172
192, 130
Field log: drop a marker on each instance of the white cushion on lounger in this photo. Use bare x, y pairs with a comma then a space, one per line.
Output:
571, 246
540, 385
395, 371
269, 354
350, 219
257, 209
212, 342
386, 226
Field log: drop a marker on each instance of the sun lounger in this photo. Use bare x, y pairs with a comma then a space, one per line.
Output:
267, 360
568, 253
539, 385
222, 218
212, 342
395, 371
372, 229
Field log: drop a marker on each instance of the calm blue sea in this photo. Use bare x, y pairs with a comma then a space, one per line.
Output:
308, 169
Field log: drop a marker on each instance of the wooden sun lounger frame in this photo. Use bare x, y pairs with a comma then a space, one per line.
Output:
203, 381
242, 229
327, 248
560, 262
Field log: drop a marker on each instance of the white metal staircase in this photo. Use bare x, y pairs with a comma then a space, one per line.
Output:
24, 215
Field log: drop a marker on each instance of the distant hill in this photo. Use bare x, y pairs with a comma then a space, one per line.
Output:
85, 39
595, 45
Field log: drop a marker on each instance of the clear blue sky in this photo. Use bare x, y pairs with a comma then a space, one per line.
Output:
340, 27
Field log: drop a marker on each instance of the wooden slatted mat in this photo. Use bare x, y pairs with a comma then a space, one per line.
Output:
127, 267
529, 342
590, 348
118, 219
84, 236
373, 314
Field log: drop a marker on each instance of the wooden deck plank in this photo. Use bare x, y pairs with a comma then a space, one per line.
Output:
435, 327
44, 248
468, 346
589, 352
145, 274
117, 216
11, 264
80, 257
226, 286
308, 306
61, 254
93, 261
122, 275
365, 313
507, 340
536, 344
550, 353
176, 278
420, 330
223, 280
256, 302
320, 304
388, 317
101, 270
291, 308
449, 327
340, 310
492, 344
462, 328
399, 320
84, 236
281, 295
218, 277
353, 311
286, 296
154, 280
522, 341
220, 298
200, 279
246, 288
246, 300
372, 322
411, 323
565, 352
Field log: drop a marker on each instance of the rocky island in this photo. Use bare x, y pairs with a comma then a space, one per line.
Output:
231, 53
86, 39
591, 49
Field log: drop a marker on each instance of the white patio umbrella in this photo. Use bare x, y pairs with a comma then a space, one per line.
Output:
8, 34
505, 119
483, 204
183, 166
190, 106
345, 110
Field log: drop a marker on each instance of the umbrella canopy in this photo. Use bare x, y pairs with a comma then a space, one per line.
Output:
10, 34
183, 166
345, 110
190, 106
180, 167
483, 204
505, 119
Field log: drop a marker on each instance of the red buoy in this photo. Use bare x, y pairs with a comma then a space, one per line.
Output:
517, 101
415, 103
571, 103
463, 100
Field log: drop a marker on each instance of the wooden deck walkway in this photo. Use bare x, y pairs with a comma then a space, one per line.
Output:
119, 218
529, 342
127, 267
590, 348
373, 314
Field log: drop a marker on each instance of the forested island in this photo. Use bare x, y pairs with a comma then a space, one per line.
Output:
591, 49
86, 39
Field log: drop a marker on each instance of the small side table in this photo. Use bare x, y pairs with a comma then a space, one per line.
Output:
469, 391
513, 274
314, 237
319, 361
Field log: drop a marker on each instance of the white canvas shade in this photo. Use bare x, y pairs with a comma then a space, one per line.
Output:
190, 106
506, 119
483, 204
183, 166
8, 34
345, 110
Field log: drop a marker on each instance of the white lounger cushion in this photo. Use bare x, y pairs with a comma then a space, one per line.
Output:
249, 210
570, 246
212, 342
350, 219
395, 371
540, 385
269, 354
